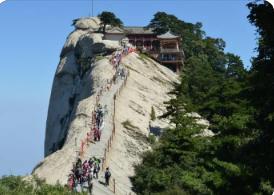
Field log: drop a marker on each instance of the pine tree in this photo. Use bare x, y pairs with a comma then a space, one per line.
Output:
174, 161
262, 96
239, 104
109, 18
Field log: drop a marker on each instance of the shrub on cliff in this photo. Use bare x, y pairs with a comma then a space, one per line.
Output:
16, 185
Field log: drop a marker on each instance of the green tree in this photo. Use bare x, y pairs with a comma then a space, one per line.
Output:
109, 18
16, 185
191, 34
174, 161
214, 84
152, 114
162, 22
262, 95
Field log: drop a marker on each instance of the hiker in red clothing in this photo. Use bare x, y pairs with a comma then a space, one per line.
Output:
89, 137
71, 183
96, 134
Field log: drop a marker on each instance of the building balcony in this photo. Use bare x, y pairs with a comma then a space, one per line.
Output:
142, 39
171, 61
162, 50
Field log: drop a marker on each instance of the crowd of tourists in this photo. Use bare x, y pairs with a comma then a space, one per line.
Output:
83, 173
115, 60
117, 56
97, 122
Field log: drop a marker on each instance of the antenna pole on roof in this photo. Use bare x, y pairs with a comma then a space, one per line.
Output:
92, 7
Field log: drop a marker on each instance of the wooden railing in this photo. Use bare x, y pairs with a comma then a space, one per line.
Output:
85, 142
110, 141
163, 50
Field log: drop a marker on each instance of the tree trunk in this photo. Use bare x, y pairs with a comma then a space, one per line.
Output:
104, 29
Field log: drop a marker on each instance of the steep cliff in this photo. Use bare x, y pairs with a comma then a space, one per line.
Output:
73, 81
147, 86
83, 70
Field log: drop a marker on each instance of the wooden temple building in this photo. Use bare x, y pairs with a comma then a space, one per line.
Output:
163, 48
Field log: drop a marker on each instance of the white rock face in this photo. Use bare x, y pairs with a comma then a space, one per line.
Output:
77, 79
68, 87
87, 23
147, 86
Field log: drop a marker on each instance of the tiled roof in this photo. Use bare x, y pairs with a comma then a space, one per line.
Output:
167, 35
116, 30
138, 30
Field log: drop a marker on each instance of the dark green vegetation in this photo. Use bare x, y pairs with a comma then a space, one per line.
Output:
15, 185
151, 138
128, 125
152, 114
109, 18
239, 104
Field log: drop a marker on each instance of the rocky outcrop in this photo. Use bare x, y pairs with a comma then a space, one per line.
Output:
79, 76
73, 81
147, 86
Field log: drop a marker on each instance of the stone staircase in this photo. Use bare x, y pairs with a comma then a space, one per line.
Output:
98, 149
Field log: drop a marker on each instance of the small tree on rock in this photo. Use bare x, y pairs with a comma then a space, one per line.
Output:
109, 18
152, 114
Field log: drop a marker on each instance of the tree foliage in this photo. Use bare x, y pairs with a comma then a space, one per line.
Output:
262, 94
109, 18
239, 105
16, 185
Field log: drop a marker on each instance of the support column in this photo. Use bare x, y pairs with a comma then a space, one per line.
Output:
143, 43
177, 45
161, 46
177, 68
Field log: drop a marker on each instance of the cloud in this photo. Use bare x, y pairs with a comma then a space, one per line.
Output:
1, 1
